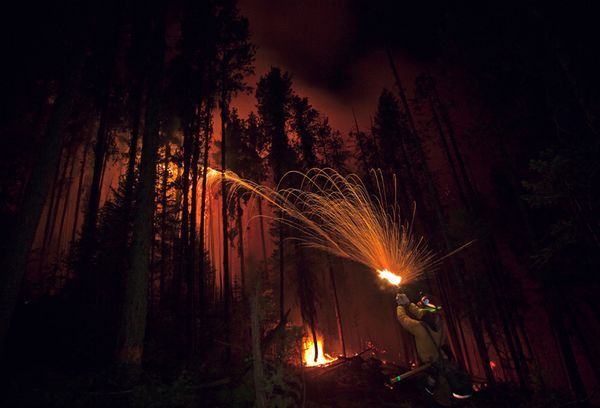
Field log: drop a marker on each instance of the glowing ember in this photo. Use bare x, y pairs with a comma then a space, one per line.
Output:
390, 277
308, 356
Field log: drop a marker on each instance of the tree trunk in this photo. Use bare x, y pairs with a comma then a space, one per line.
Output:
185, 235
79, 192
305, 281
257, 363
226, 278
448, 154
192, 291
89, 229
16, 251
133, 319
587, 344
133, 144
202, 233
281, 273
51, 214
262, 238
406, 156
568, 357
241, 246
66, 205
443, 115
338, 315
163, 222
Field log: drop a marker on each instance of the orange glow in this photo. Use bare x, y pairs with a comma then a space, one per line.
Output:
308, 354
390, 277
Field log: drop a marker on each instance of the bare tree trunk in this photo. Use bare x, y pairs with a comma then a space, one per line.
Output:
568, 357
66, 204
91, 216
79, 192
257, 363
213, 251
338, 315
241, 246
306, 294
226, 278
163, 221
262, 238
448, 154
133, 319
192, 291
104, 167
185, 217
152, 274
61, 185
587, 346
202, 233
53, 202
133, 144
469, 190
281, 274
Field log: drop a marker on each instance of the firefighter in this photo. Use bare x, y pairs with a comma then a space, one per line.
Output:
444, 381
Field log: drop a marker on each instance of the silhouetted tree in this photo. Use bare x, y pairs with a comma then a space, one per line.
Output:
133, 320
274, 96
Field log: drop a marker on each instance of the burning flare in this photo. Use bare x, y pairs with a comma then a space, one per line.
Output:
390, 277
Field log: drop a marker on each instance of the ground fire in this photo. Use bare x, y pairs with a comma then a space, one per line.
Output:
308, 354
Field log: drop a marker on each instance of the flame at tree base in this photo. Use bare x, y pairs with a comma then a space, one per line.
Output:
308, 352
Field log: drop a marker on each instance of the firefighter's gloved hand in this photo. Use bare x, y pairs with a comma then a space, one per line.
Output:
402, 299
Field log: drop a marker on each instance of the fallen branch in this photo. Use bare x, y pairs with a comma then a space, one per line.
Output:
341, 361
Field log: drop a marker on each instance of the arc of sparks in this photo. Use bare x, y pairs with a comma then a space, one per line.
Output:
336, 214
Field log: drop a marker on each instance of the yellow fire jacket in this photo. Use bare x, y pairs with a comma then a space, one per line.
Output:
426, 349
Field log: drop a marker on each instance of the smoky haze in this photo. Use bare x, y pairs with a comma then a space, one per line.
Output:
335, 51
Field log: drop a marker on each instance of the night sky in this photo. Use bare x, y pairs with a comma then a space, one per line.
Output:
338, 57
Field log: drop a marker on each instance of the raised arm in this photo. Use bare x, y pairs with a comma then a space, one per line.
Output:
409, 324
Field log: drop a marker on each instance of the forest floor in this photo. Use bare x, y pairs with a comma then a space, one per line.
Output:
356, 383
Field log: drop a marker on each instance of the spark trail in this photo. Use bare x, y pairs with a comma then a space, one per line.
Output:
336, 214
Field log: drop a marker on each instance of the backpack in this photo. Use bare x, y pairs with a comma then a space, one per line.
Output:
459, 381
